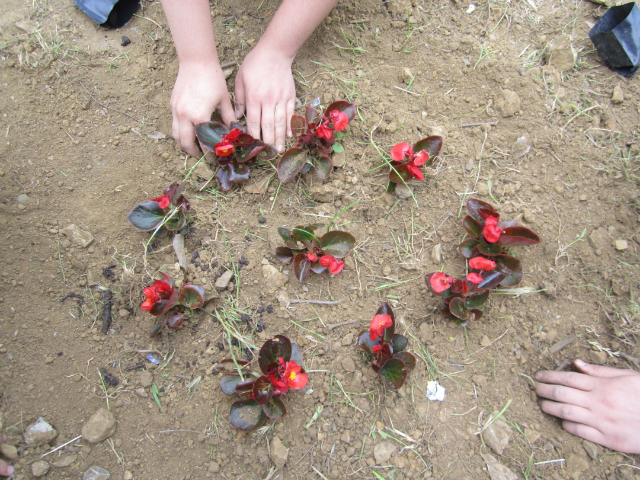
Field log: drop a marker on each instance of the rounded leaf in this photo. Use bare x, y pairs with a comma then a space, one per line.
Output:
473, 205
298, 125
466, 247
246, 415
518, 237
457, 308
155, 330
365, 343
232, 174
301, 267
491, 279
512, 279
489, 248
228, 384
311, 115
175, 318
337, 243
262, 390
191, 296
408, 359
399, 343
210, 133
399, 174
322, 162
177, 221
291, 163
304, 234
344, 106
285, 233
146, 216
475, 314
245, 388
278, 346
475, 301
275, 409
393, 373
284, 254
473, 228
507, 264
433, 146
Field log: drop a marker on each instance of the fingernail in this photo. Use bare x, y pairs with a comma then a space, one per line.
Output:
538, 376
580, 363
10, 470
238, 113
280, 148
289, 133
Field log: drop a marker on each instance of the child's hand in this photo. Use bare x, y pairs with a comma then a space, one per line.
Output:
200, 88
265, 90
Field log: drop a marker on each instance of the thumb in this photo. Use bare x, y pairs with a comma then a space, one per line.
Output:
239, 95
598, 370
226, 110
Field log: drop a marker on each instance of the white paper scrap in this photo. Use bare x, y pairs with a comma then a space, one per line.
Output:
435, 391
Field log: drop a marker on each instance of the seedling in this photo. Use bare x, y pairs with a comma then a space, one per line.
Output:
406, 160
235, 151
391, 362
280, 363
312, 254
170, 210
316, 137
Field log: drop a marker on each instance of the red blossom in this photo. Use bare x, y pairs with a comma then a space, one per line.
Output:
223, 149
324, 132
481, 263
399, 151
293, 376
378, 324
440, 282
421, 157
402, 150
312, 257
340, 119
376, 348
163, 201
326, 260
151, 293
474, 278
335, 266
491, 230
415, 171
233, 135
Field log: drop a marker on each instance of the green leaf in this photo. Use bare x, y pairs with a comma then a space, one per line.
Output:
400, 174
433, 146
262, 390
301, 267
146, 216
228, 384
285, 233
342, 106
191, 296
457, 308
475, 301
489, 248
177, 221
278, 346
323, 163
365, 343
399, 343
518, 237
507, 264
210, 133
304, 234
275, 409
393, 373
408, 359
298, 125
284, 254
337, 148
246, 415
337, 243
472, 227
291, 163
473, 205
512, 279
466, 247
174, 319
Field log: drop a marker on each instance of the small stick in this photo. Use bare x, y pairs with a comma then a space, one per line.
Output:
61, 446
316, 470
111, 108
563, 365
336, 325
171, 431
227, 65
318, 302
633, 360
479, 124
106, 311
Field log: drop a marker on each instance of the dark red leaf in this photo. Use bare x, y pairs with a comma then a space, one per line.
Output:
291, 163
246, 415
473, 205
433, 146
301, 267
262, 390
473, 228
278, 346
518, 237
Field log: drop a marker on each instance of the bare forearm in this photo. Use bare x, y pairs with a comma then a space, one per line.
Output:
192, 30
293, 23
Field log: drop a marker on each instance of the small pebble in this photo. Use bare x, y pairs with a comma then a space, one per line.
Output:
125, 41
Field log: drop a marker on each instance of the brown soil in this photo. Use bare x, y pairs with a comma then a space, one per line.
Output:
77, 112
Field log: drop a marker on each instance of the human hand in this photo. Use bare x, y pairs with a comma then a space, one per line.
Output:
199, 89
6, 470
265, 89
599, 405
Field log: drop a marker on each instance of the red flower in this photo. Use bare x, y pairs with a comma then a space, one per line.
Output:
440, 282
491, 230
163, 288
312, 257
481, 263
340, 119
293, 377
223, 149
376, 348
163, 201
474, 278
281, 385
151, 293
415, 171
378, 324
399, 151
324, 132
335, 266
402, 150
233, 135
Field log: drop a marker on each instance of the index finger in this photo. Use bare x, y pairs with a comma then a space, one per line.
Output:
568, 379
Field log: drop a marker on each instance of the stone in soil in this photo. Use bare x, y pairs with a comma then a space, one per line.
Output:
279, 453
39, 468
497, 435
22, 198
77, 235
39, 433
509, 104
618, 95
273, 278
599, 239
497, 471
99, 427
65, 461
383, 451
145, 378
96, 473
223, 282
575, 466
9, 451
621, 245
561, 54
591, 448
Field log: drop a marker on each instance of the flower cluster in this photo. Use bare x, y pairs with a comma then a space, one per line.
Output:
339, 121
407, 160
155, 294
402, 151
289, 375
227, 143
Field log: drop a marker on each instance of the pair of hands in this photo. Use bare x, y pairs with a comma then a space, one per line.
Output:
264, 90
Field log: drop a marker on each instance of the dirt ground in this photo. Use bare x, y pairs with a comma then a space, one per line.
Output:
85, 134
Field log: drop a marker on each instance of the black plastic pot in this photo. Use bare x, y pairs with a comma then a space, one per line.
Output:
617, 38
109, 13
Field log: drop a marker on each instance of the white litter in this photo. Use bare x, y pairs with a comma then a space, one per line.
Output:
471, 8
435, 391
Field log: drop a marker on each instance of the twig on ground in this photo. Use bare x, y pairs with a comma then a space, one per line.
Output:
318, 302
479, 124
61, 446
336, 325
634, 360
106, 311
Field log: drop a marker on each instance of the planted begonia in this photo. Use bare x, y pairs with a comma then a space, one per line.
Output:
236, 151
317, 137
391, 362
310, 253
169, 211
440, 282
280, 363
407, 160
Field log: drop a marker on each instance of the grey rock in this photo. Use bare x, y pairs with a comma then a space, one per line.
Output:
279, 453
39, 433
550, 288
348, 364
96, 473
618, 95
65, 461
39, 468
622, 244
383, 451
599, 239
509, 104
214, 467
322, 193
22, 198
77, 235
283, 298
403, 191
273, 278
591, 448
497, 435
497, 471
223, 282
10, 452
145, 378
99, 427
597, 357
561, 54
